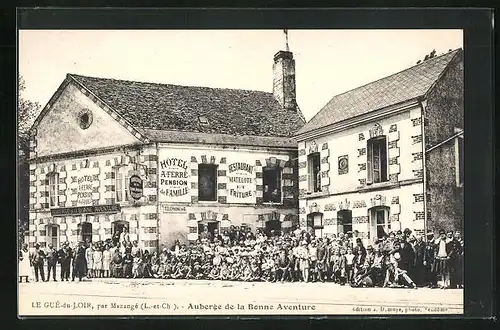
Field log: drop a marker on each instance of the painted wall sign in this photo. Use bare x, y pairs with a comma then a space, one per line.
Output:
173, 209
136, 187
85, 189
114, 208
241, 183
174, 178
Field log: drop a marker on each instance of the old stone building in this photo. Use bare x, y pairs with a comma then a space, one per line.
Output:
164, 161
362, 157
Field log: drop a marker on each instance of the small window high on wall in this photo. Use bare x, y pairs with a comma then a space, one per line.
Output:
271, 180
207, 182
313, 170
376, 160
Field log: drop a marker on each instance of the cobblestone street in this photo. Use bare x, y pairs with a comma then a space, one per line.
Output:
180, 297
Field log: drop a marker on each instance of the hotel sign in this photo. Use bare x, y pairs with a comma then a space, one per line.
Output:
174, 179
85, 210
241, 183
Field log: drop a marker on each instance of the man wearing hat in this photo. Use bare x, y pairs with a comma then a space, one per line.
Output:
430, 278
79, 262
37, 258
64, 256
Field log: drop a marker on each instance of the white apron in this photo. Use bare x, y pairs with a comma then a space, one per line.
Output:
24, 265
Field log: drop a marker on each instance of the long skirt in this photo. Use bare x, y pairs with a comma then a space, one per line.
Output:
441, 266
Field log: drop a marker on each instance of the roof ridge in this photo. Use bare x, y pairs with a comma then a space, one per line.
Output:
174, 85
374, 81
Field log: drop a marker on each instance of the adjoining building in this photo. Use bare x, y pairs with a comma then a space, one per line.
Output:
387, 155
164, 161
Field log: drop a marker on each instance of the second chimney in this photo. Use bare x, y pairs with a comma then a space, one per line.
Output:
284, 79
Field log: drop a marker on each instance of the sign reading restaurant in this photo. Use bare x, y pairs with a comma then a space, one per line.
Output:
241, 182
173, 177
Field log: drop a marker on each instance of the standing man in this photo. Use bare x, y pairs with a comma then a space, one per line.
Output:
124, 236
37, 259
79, 262
51, 255
65, 255
430, 276
419, 268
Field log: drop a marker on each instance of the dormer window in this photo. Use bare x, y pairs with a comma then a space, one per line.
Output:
203, 120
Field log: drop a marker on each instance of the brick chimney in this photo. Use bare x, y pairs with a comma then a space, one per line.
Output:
284, 79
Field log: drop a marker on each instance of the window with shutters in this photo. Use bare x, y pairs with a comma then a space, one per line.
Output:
53, 189
122, 184
207, 182
271, 180
376, 160
314, 173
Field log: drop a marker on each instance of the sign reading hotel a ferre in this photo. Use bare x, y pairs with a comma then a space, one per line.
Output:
241, 183
85, 188
174, 178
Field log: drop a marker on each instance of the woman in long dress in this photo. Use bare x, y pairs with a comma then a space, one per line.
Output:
24, 264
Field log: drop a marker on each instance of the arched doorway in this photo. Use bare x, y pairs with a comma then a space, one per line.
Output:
344, 220
380, 225
117, 228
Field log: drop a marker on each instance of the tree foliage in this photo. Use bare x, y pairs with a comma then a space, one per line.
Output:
27, 112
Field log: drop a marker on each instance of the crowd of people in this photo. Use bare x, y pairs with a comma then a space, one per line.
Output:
398, 259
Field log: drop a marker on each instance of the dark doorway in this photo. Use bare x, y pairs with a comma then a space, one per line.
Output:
273, 225
345, 220
117, 229
212, 226
85, 232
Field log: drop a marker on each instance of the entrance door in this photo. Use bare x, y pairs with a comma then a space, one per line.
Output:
85, 232
273, 225
117, 229
344, 219
212, 226
380, 225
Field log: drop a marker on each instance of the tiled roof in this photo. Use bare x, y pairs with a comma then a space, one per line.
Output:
399, 87
204, 138
179, 108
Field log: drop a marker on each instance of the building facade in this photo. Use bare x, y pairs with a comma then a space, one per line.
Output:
163, 161
364, 166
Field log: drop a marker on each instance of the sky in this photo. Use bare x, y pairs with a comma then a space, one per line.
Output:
327, 62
